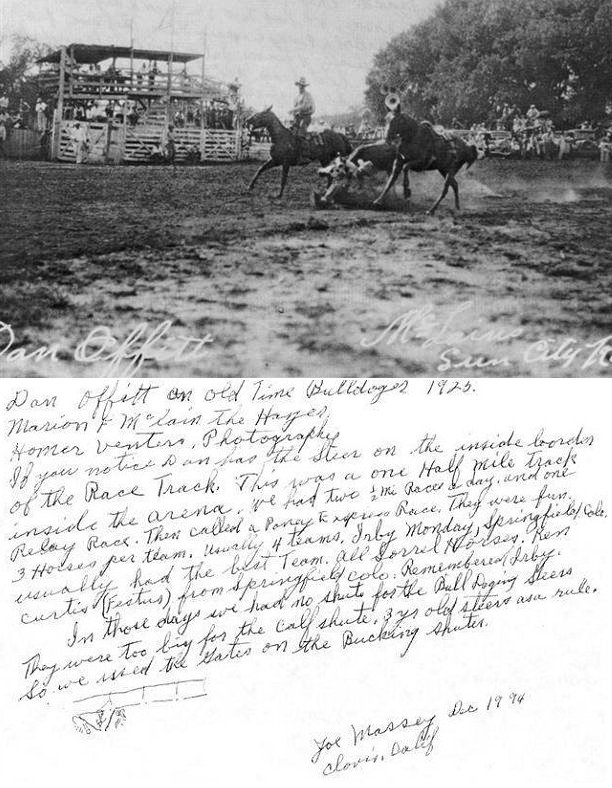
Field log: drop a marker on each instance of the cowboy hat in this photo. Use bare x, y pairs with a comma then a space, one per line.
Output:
302, 82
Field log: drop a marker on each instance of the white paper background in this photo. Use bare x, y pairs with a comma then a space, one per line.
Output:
257, 724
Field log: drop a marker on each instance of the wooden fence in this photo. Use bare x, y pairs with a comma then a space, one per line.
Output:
23, 144
115, 144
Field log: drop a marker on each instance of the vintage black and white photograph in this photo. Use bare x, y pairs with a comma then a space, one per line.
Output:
306, 188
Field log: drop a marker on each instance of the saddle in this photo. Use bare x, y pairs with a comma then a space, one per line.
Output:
434, 146
309, 146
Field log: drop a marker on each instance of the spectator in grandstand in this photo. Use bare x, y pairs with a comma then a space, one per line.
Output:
153, 74
141, 75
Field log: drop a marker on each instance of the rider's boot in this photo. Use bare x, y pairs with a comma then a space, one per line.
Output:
302, 146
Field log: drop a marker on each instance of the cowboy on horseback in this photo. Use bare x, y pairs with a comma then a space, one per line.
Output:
303, 108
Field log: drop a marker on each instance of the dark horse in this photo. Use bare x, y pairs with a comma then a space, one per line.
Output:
288, 150
422, 148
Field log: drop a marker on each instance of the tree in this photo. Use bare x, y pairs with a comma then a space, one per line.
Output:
472, 55
17, 80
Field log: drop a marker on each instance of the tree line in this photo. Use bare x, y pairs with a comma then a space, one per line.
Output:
17, 79
472, 56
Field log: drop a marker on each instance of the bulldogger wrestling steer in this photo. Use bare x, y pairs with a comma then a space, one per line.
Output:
419, 148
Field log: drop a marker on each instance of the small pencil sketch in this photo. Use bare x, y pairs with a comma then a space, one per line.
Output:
109, 713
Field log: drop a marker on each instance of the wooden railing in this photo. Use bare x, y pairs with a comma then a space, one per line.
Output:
110, 143
105, 85
23, 144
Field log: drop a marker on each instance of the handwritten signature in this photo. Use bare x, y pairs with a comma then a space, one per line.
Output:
408, 735
123, 357
456, 345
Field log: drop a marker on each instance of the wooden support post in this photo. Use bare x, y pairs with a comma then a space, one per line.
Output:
71, 80
59, 112
132, 53
203, 102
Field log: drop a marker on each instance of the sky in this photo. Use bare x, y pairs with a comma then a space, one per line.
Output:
267, 44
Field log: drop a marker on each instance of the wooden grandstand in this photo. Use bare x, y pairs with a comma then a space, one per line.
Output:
128, 97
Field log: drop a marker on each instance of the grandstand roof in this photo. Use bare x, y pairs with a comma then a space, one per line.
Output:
95, 53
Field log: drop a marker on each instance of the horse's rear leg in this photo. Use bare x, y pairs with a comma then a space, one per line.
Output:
449, 181
283, 180
267, 166
407, 189
455, 187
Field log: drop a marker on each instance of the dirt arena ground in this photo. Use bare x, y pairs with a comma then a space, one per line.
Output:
519, 283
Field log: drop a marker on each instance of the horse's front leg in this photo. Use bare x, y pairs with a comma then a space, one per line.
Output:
283, 180
395, 173
267, 166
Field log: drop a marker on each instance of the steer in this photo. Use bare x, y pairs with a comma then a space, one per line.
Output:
363, 161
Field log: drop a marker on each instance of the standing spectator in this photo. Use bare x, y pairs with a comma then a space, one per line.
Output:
565, 145
3, 134
80, 140
532, 115
133, 115
24, 111
168, 144
41, 115
505, 118
548, 144
605, 147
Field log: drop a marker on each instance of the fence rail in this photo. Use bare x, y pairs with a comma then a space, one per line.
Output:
109, 143
23, 144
